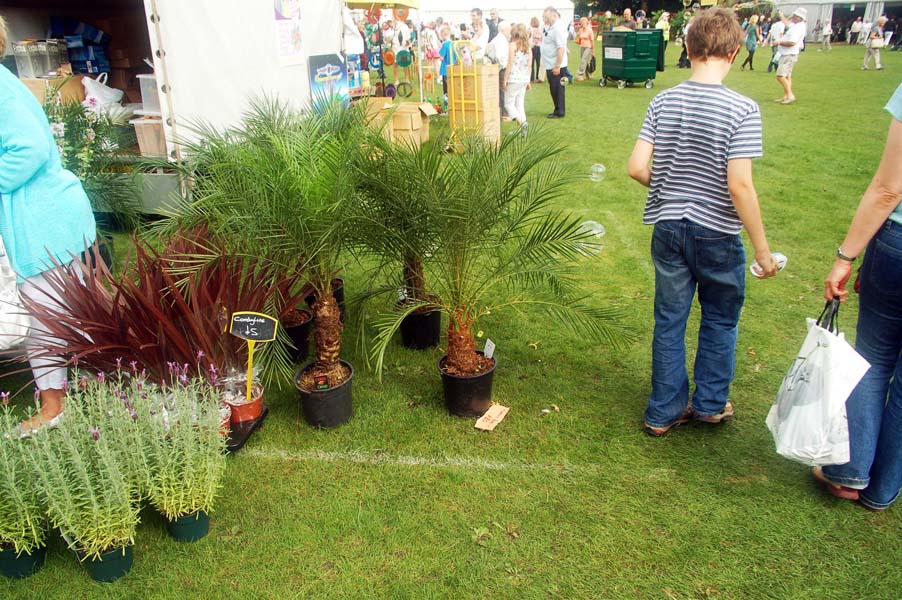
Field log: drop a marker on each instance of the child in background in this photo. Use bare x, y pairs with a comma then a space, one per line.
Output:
447, 55
694, 153
516, 77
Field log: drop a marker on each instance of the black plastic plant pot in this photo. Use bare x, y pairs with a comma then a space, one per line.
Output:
420, 331
189, 528
111, 565
467, 395
300, 337
338, 292
23, 565
329, 407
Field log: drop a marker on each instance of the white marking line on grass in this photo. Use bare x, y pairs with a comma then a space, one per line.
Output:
446, 462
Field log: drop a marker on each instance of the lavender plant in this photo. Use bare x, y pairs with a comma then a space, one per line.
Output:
23, 523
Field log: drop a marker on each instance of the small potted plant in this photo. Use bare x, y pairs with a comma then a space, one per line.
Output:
23, 523
84, 477
186, 453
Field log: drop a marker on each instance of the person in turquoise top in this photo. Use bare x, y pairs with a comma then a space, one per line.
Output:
873, 475
44, 215
752, 39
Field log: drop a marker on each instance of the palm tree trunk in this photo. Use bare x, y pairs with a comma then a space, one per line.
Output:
414, 278
327, 328
462, 358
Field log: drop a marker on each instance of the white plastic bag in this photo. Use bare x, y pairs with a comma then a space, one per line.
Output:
98, 95
808, 418
14, 321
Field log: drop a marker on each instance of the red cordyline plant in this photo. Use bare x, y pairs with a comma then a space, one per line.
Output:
155, 315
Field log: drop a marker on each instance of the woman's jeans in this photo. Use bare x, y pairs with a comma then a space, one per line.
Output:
875, 421
689, 257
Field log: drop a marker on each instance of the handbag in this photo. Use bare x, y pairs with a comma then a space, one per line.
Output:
877, 43
808, 418
14, 321
592, 66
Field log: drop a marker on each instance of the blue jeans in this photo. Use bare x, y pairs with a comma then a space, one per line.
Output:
689, 257
875, 422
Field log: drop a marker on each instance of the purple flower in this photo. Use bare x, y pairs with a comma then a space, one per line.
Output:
172, 366
92, 101
200, 355
95, 433
37, 394
183, 379
4, 398
100, 377
134, 365
140, 384
118, 363
134, 414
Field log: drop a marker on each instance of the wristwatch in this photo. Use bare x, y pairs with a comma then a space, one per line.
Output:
841, 256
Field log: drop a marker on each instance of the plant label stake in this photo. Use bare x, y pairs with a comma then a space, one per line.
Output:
252, 327
494, 415
489, 350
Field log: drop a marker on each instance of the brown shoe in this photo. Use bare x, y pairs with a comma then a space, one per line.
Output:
725, 415
659, 431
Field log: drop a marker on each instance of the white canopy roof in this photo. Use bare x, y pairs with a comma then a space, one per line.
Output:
514, 11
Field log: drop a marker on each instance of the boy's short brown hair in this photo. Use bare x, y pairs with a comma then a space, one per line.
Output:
715, 33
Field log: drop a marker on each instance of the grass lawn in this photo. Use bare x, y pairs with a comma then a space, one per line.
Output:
406, 501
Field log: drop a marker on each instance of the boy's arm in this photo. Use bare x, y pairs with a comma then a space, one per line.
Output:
745, 199
640, 160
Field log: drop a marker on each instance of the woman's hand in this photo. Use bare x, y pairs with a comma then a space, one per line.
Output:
835, 284
504, 86
528, 86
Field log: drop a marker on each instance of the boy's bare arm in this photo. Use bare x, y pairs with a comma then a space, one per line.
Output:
745, 200
639, 166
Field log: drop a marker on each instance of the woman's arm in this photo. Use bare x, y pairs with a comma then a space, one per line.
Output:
881, 198
23, 146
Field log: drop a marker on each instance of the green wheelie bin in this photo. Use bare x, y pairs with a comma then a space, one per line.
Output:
632, 57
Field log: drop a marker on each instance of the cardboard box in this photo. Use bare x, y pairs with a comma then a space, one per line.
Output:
486, 123
72, 90
468, 84
151, 140
407, 121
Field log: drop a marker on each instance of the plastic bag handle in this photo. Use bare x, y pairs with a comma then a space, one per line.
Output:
829, 318
102, 78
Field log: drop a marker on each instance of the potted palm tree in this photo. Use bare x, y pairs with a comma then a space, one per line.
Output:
499, 244
23, 524
84, 477
401, 184
186, 453
280, 188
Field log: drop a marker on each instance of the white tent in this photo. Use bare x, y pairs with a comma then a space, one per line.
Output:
822, 10
211, 57
514, 11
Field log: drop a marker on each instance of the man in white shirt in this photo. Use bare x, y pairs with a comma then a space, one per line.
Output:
479, 35
854, 31
788, 51
774, 36
499, 52
554, 58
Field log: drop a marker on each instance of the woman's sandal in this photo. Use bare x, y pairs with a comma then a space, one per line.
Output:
840, 491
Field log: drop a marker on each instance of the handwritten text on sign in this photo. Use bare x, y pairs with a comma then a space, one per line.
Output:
253, 326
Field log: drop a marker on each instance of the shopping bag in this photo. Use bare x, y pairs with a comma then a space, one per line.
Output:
98, 95
14, 321
808, 418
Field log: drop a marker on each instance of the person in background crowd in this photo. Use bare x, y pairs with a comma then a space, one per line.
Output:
641, 22
765, 27
498, 51
873, 475
535, 37
789, 47
694, 153
401, 41
493, 22
446, 53
585, 37
873, 44
627, 22
432, 45
664, 25
752, 38
855, 30
516, 77
45, 216
777, 30
554, 58
683, 62
479, 34
826, 33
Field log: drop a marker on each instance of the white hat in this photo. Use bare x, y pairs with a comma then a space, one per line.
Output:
801, 13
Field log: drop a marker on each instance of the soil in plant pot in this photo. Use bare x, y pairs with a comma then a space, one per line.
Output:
22, 565
297, 324
328, 407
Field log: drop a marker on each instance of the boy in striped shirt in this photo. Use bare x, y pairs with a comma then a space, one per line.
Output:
702, 138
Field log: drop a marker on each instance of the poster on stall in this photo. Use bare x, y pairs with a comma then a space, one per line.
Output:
328, 77
288, 31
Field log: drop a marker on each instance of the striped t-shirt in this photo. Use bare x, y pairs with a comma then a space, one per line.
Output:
695, 129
